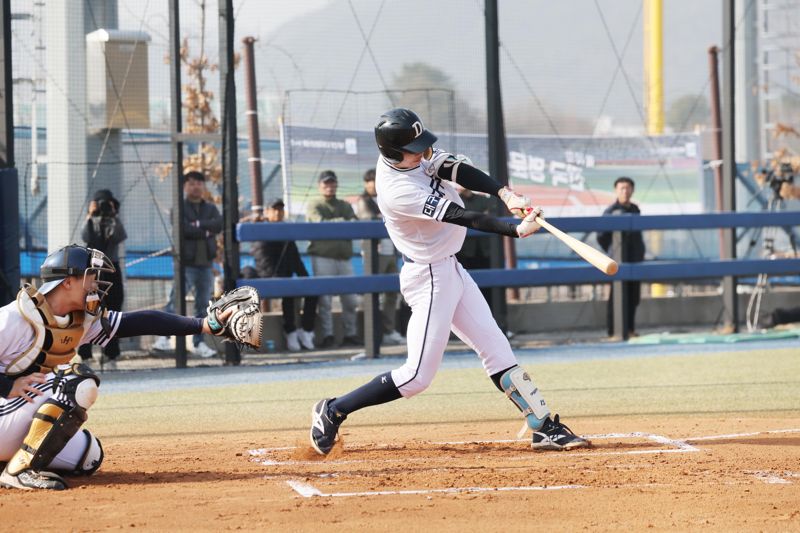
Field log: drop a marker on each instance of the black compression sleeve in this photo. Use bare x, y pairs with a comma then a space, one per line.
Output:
480, 221
471, 178
6, 384
157, 323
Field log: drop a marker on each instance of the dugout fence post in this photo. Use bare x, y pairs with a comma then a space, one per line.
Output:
176, 119
230, 161
498, 154
9, 179
371, 303
619, 292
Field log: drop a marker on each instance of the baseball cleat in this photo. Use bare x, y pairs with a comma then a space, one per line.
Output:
324, 427
32, 479
554, 435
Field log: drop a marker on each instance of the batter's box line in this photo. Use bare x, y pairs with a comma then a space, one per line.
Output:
740, 435
306, 490
674, 446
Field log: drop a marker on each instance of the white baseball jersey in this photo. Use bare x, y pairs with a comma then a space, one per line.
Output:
16, 335
442, 295
16, 414
413, 202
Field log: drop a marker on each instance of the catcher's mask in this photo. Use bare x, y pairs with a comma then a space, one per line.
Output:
74, 260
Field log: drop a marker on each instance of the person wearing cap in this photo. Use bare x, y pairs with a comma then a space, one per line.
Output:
45, 392
281, 259
202, 223
333, 258
104, 231
367, 209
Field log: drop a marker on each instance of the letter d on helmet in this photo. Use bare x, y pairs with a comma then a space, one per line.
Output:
401, 130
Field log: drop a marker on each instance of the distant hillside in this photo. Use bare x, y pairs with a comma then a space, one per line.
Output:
561, 49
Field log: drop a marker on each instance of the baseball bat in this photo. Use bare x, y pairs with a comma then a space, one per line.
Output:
595, 257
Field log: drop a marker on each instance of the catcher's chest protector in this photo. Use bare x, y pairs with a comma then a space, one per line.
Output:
55, 343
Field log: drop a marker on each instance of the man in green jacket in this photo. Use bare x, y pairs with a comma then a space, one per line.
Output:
333, 258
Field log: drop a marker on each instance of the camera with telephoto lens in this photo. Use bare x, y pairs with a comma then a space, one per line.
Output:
105, 208
776, 179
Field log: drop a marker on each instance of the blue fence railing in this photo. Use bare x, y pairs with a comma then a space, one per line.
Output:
647, 271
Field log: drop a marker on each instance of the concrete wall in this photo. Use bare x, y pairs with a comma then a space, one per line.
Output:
666, 313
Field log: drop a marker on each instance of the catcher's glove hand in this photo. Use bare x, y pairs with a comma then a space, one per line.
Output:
243, 324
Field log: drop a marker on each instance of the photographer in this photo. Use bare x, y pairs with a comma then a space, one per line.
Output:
104, 231
780, 178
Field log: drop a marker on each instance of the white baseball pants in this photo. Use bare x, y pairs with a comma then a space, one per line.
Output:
444, 297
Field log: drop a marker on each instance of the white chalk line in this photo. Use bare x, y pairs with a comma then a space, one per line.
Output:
740, 435
675, 446
306, 490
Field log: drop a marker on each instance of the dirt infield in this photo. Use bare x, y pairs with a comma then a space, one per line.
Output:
663, 473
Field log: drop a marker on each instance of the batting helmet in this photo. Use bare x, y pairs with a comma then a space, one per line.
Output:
75, 260
400, 130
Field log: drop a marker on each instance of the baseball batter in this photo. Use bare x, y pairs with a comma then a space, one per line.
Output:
44, 393
426, 221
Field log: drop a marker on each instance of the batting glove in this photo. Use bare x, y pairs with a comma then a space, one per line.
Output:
528, 226
518, 204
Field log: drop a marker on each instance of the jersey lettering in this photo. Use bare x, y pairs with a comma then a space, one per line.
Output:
436, 184
430, 205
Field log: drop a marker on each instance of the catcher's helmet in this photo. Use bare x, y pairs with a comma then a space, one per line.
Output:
400, 130
75, 260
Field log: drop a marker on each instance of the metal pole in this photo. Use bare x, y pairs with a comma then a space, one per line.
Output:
371, 303
730, 303
9, 180
716, 136
230, 152
498, 165
252, 125
176, 125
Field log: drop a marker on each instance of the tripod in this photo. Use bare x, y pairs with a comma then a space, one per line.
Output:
776, 203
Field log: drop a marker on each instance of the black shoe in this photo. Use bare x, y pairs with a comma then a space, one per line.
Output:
32, 479
324, 426
327, 342
554, 435
352, 340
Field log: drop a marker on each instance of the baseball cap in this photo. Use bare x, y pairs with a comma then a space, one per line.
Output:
327, 175
276, 203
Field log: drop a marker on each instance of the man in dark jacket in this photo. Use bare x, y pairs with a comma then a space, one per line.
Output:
281, 259
201, 224
632, 251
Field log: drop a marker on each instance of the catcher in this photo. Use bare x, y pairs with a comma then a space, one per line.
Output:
44, 393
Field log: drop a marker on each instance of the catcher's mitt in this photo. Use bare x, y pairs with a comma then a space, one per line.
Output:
244, 323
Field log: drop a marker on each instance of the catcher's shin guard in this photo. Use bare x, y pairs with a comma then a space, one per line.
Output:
520, 389
52, 427
58, 419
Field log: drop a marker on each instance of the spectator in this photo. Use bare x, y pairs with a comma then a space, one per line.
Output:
281, 259
632, 252
475, 254
333, 258
201, 224
104, 231
367, 209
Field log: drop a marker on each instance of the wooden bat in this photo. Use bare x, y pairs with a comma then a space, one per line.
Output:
598, 259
